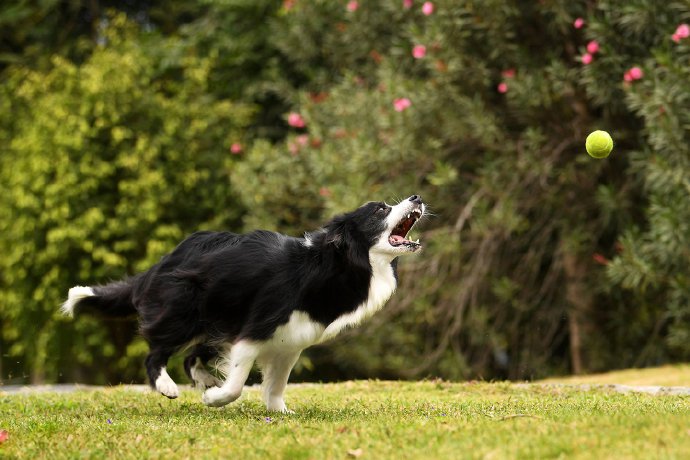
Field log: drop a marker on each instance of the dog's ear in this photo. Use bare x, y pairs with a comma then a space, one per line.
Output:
342, 235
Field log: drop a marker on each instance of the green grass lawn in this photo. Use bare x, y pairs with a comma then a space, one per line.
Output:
365, 419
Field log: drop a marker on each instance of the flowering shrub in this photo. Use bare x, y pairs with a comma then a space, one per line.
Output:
489, 126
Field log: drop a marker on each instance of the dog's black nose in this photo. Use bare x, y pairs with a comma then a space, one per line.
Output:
416, 199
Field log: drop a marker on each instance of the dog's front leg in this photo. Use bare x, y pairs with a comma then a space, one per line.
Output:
236, 370
276, 371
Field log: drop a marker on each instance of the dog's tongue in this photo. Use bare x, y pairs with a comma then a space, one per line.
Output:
396, 239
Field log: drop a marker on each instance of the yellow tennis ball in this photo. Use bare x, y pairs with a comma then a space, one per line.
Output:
599, 144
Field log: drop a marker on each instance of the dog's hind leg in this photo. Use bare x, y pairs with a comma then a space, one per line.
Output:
276, 370
159, 379
167, 327
238, 363
195, 366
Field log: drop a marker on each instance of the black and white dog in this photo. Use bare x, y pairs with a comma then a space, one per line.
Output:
262, 297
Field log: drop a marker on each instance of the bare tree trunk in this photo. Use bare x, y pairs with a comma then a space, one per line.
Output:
579, 299
37, 376
575, 343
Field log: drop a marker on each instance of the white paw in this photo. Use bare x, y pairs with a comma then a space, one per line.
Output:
166, 386
208, 382
278, 406
203, 379
217, 397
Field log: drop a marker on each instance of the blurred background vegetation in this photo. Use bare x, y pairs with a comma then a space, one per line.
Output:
126, 125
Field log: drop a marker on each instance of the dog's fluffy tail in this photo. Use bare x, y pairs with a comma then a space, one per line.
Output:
112, 300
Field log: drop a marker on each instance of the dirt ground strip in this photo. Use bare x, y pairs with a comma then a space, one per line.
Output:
68, 388
655, 390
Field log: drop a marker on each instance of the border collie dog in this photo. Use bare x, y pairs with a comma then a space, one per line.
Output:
262, 296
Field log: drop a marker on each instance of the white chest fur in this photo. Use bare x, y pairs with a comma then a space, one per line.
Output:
380, 289
299, 332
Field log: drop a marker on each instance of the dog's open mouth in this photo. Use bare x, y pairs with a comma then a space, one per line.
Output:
398, 236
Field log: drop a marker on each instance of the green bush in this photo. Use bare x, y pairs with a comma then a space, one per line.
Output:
109, 163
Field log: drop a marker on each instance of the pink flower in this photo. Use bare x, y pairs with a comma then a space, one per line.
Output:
236, 148
325, 192
587, 59
675, 38
636, 73
407, 4
401, 104
600, 259
427, 8
508, 73
295, 120
592, 47
419, 51
502, 87
288, 4
578, 23
683, 31
352, 6
302, 140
